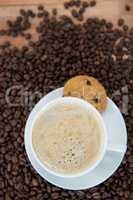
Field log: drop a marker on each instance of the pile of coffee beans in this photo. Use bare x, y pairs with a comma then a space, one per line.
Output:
78, 3
64, 49
79, 7
20, 25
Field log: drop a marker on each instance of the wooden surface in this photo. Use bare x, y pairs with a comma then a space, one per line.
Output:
111, 10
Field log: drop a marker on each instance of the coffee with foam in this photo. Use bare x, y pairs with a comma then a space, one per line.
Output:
67, 138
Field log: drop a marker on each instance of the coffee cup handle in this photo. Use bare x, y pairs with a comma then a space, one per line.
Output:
116, 148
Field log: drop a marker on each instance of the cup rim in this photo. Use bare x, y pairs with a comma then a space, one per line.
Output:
85, 105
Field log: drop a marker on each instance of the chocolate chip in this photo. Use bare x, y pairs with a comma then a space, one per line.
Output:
88, 82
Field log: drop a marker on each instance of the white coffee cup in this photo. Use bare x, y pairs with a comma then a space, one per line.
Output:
87, 106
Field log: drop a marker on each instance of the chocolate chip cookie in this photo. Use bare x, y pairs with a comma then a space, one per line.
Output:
87, 88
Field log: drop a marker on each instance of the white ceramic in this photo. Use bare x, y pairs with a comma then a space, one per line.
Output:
86, 106
117, 145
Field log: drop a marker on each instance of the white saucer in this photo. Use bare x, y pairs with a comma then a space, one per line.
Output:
117, 135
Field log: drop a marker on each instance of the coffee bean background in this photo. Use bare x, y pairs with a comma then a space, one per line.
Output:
64, 49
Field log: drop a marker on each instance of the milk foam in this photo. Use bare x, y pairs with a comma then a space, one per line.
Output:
67, 138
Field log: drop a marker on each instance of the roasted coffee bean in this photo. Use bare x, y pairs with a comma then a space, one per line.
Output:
19, 19
55, 195
14, 34
64, 49
75, 13
121, 22
72, 3
40, 7
80, 18
24, 49
81, 11
9, 23
3, 32
92, 3
34, 182
54, 11
127, 7
66, 5
40, 14
125, 28
85, 4
7, 44
46, 196
30, 13
27, 36
109, 25
77, 3
22, 12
